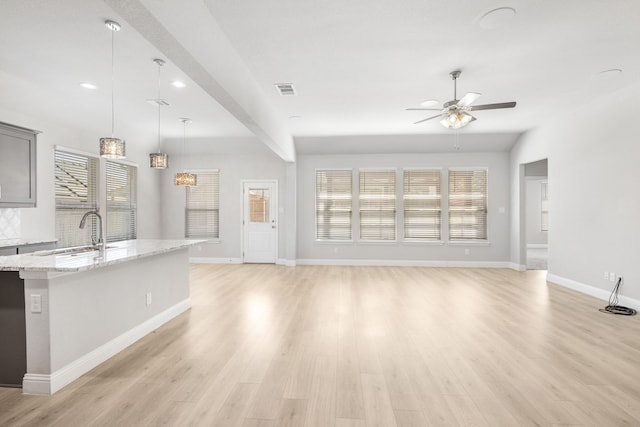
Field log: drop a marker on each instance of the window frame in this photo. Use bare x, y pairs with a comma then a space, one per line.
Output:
215, 237
485, 239
316, 207
439, 239
120, 207
76, 238
394, 172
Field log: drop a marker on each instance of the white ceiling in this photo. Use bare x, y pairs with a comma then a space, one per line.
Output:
356, 66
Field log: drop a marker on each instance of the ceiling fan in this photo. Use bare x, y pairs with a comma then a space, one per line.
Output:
454, 114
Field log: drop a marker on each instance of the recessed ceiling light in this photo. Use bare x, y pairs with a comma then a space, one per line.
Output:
608, 73
430, 103
496, 18
178, 84
88, 85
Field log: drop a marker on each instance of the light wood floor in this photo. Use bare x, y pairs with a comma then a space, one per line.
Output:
268, 345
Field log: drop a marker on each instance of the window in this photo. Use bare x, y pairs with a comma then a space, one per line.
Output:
121, 201
202, 207
422, 205
468, 204
544, 206
259, 206
333, 204
378, 205
76, 177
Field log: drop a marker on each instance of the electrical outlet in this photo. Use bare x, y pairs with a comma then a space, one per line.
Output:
612, 277
606, 275
467, 251
36, 304
148, 298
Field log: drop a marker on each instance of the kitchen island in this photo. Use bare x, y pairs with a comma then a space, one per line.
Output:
82, 307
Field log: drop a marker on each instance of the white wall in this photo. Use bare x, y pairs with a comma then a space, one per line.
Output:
233, 167
496, 252
39, 222
593, 157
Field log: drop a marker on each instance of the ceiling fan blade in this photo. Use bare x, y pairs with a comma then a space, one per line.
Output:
428, 118
423, 109
468, 99
493, 106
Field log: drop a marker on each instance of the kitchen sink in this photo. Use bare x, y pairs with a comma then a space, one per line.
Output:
76, 250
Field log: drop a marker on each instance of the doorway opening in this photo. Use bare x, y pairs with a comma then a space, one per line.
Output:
536, 215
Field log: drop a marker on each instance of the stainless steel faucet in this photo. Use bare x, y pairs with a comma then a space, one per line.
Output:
100, 241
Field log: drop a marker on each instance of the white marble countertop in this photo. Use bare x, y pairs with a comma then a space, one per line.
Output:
8, 243
117, 252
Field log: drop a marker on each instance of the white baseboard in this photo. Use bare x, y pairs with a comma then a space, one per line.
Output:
287, 262
49, 384
403, 263
517, 267
593, 291
210, 260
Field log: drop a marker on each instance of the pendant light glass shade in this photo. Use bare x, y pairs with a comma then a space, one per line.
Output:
159, 160
112, 147
184, 178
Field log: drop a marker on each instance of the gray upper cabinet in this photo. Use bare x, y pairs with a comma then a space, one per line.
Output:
17, 167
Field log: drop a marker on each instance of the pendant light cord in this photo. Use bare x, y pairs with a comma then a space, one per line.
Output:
159, 107
113, 83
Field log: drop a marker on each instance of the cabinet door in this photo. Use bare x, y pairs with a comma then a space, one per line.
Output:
17, 167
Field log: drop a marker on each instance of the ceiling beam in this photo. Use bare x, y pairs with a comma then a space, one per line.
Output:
188, 35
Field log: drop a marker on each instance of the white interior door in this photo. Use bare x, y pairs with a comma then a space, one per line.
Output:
260, 222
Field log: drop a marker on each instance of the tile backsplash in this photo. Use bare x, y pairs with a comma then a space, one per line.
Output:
9, 223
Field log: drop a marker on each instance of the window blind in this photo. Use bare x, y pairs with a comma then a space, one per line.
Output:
333, 204
421, 198
468, 204
202, 207
121, 201
76, 178
378, 205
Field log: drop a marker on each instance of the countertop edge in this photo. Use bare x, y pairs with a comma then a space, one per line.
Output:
18, 262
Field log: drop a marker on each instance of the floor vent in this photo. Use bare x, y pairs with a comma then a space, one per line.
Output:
285, 89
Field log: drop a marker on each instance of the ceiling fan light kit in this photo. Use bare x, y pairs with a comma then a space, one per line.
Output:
457, 120
454, 114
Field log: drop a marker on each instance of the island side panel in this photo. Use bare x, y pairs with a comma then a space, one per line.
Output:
13, 352
95, 313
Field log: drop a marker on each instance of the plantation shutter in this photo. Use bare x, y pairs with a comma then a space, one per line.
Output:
378, 205
121, 201
76, 178
468, 204
422, 212
333, 204
202, 207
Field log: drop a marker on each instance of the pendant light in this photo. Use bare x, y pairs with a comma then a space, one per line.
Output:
112, 147
159, 160
185, 179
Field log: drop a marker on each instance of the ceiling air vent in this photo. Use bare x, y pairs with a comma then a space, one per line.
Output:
285, 89
158, 102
